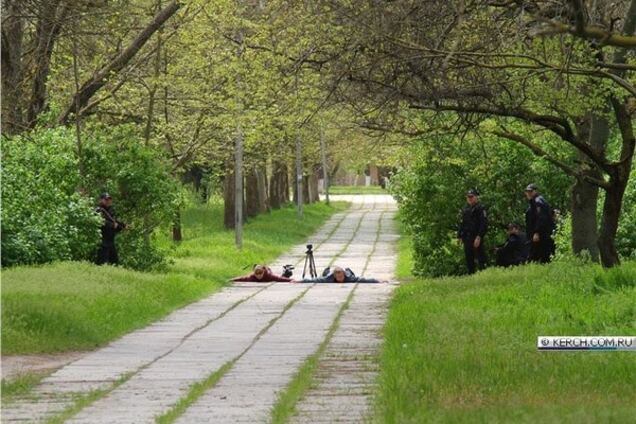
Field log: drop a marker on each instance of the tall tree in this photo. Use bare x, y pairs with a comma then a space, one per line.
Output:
484, 59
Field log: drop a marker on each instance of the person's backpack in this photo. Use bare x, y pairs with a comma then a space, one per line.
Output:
348, 272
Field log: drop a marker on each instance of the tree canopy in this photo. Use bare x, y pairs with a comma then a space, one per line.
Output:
242, 91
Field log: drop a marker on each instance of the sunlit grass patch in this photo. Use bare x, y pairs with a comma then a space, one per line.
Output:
463, 349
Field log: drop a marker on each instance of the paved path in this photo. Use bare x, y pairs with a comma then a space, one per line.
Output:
257, 334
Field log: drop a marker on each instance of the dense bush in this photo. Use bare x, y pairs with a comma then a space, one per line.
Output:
44, 217
431, 189
48, 207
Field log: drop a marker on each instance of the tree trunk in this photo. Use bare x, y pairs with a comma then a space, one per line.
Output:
251, 193
298, 198
306, 198
614, 196
279, 185
176, 226
619, 177
78, 132
313, 187
239, 190
12, 40
152, 92
228, 199
285, 190
276, 184
374, 173
584, 224
594, 129
51, 17
609, 225
325, 167
263, 197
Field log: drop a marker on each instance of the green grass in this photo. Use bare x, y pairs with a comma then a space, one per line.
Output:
78, 306
463, 349
357, 190
20, 385
404, 267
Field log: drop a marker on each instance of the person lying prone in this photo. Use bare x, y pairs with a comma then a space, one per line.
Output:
339, 275
262, 274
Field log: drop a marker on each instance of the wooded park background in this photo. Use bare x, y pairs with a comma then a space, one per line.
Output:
153, 100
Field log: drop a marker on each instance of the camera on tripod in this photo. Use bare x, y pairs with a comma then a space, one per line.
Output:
288, 270
309, 262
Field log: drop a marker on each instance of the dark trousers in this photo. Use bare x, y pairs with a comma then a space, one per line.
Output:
542, 250
107, 254
505, 259
471, 254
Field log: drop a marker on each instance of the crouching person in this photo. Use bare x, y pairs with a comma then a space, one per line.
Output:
515, 250
262, 274
339, 275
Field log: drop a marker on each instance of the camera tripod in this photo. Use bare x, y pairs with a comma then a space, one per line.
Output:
310, 262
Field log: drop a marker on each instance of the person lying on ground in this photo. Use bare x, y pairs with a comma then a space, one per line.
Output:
262, 274
338, 275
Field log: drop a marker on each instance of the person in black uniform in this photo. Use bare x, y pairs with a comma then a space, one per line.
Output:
107, 252
539, 225
516, 248
472, 231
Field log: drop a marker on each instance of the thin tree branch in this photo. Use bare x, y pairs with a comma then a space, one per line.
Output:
538, 151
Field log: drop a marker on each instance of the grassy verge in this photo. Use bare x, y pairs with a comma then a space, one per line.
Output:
78, 306
20, 385
464, 349
357, 190
404, 267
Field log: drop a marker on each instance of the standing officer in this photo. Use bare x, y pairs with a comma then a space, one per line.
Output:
472, 231
107, 252
539, 225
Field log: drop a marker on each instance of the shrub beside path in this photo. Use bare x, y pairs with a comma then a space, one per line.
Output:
242, 346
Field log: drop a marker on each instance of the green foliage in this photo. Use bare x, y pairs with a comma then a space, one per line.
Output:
431, 185
404, 267
48, 205
463, 349
19, 385
563, 240
77, 306
145, 194
44, 218
626, 235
